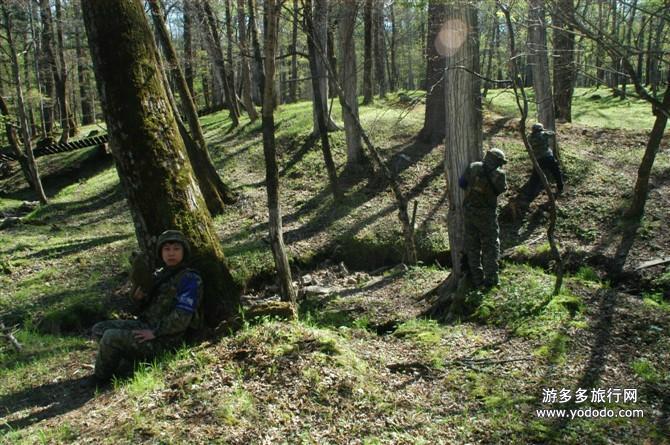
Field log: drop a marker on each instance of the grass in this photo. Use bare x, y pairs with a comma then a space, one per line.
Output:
591, 107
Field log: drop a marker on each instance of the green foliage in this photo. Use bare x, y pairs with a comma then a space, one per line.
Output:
646, 370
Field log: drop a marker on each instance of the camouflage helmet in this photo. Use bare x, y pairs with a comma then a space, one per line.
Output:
173, 236
537, 127
495, 156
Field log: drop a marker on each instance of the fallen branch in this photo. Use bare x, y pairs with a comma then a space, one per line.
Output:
7, 333
651, 263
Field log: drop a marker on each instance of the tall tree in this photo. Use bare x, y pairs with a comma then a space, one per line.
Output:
215, 192
244, 63
537, 49
150, 156
564, 67
288, 292
187, 11
319, 54
319, 16
346, 20
368, 94
33, 171
67, 116
216, 53
86, 96
434, 122
463, 141
293, 82
378, 33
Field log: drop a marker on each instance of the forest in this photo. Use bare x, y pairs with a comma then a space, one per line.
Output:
334, 221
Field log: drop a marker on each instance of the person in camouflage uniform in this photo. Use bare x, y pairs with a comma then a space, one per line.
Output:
169, 308
483, 182
539, 142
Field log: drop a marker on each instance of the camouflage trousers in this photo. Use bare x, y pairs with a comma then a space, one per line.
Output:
119, 349
482, 245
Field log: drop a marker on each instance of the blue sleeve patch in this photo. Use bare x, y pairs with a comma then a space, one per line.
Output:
187, 293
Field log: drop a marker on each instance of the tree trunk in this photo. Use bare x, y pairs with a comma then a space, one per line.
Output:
258, 56
537, 49
641, 191
215, 192
564, 66
13, 141
229, 53
288, 292
21, 110
216, 53
244, 63
434, 122
632, 8
463, 141
319, 100
187, 7
393, 75
319, 16
68, 124
368, 94
46, 74
293, 83
347, 78
150, 156
85, 95
378, 40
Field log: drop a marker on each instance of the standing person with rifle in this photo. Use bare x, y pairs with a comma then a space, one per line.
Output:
539, 142
483, 182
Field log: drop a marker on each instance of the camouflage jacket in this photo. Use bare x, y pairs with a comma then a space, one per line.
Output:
173, 304
539, 142
482, 186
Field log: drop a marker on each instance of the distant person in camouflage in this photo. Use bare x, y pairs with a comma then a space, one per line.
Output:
539, 142
169, 306
483, 182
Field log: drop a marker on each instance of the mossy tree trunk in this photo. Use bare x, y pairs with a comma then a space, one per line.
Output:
158, 180
288, 292
214, 190
434, 120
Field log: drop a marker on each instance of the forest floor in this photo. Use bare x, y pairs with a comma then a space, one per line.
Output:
362, 364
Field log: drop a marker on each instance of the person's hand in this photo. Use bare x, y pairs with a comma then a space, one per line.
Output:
142, 335
138, 294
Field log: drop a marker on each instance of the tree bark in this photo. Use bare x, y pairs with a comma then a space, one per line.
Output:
346, 23
293, 83
319, 100
68, 124
564, 66
150, 156
46, 74
319, 16
187, 7
229, 54
216, 53
393, 74
85, 93
214, 190
21, 110
378, 40
288, 292
244, 63
537, 49
368, 94
434, 123
258, 56
13, 141
463, 141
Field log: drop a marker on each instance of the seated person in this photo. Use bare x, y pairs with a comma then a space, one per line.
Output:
169, 308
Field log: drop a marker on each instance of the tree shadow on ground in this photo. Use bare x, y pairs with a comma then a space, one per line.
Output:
61, 176
72, 248
44, 402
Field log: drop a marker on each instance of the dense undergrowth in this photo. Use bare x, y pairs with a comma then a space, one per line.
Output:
361, 365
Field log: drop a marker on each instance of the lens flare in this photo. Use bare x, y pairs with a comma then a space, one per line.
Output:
451, 37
